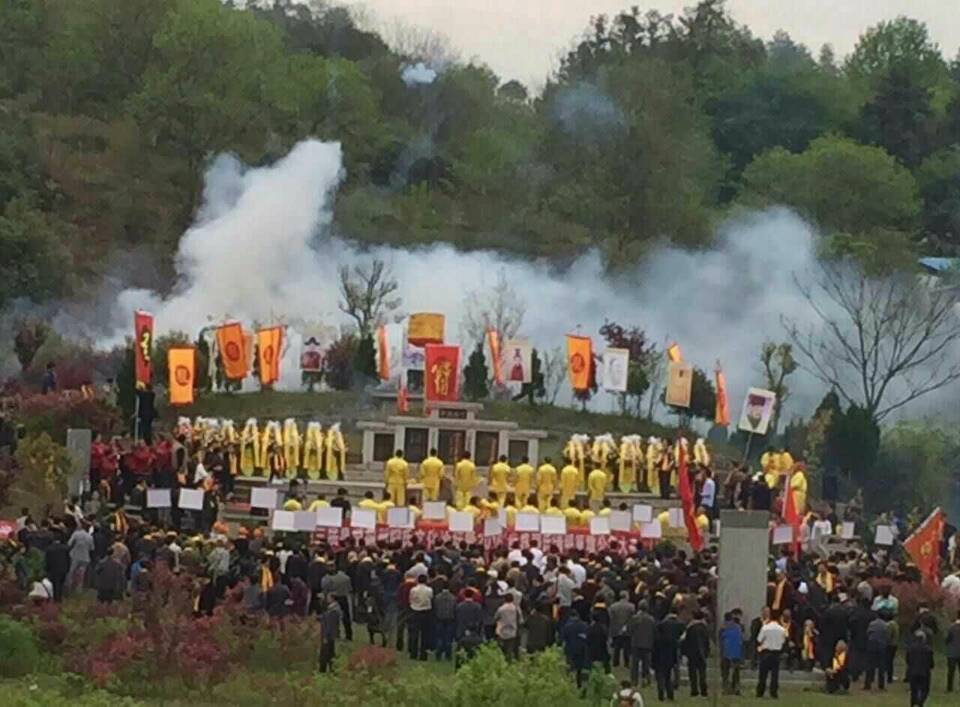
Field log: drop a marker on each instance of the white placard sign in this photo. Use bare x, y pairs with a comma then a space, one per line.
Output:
553, 525
620, 521
651, 530
330, 517
263, 497
284, 520
885, 535
528, 522
461, 522
492, 527
783, 535
642, 513
600, 525
365, 518
676, 518
847, 530
305, 521
434, 510
399, 518
191, 499
158, 498
503, 517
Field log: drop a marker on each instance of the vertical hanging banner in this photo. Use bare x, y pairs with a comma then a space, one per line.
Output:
518, 360
143, 347
442, 372
269, 353
685, 488
721, 415
493, 340
425, 328
233, 354
673, 353
181, 362
679, 385
311, 350
579, 360
383, 353
616, 370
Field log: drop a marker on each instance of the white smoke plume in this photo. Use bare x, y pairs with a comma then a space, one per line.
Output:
417, 74
261, 250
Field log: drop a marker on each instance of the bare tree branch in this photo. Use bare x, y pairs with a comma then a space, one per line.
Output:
368, 295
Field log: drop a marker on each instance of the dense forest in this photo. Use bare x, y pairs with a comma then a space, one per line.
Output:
651, 128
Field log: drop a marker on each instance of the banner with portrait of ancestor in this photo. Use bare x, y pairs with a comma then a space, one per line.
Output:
615, 370
679, 385
757, 411
518, 361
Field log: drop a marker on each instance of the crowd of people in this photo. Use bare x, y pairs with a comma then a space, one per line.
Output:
649, 610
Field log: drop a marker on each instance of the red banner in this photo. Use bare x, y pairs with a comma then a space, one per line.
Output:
924, 546
686, 496
143, 347
442, 372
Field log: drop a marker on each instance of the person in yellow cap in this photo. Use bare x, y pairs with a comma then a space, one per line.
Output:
523, 481
431, 473
569, 481
499, 474
596, 487
464, 480
546, 483
395, 476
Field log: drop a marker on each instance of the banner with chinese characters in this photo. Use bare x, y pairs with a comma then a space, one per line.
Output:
442, 374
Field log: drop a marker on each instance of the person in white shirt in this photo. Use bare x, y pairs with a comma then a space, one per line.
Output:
708, 494
508, 626
770, 643
578, 571
565, 587
421, 608
539, 561
516, 555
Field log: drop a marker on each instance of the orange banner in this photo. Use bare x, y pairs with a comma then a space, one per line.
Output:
383, 354
493, 339
673, 353
425, 328
579, 360
233, 351
181, 362
722, 412
269, 353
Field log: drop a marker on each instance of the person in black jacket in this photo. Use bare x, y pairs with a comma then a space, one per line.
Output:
641, 628
57, 561
696, 646
919, 668
666, 643
597, 637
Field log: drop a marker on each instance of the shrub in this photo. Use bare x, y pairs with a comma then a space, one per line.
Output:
19, 654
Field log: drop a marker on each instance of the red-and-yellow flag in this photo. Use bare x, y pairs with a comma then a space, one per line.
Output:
269, 353
673, 353
722, 412
233, 355
181, 362
579, 360
924, 546
383, 353
493, 339
143, 347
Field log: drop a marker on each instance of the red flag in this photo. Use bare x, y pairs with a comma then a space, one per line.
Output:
143, 347
442, 372
686, 496
791, 514
924, 546
493, 338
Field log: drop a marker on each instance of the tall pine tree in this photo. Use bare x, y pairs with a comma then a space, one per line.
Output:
475, 375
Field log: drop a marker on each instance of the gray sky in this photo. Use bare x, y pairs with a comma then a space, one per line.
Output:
523, 38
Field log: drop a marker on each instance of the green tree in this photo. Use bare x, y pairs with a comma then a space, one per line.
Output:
45, 468
856, 440
939, 181
365, 361
900, 117
34, 263
841, 185
475, 375
703, 396
902, 42
778, 363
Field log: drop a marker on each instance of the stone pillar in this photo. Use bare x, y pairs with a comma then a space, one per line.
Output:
78, 448
367, 449
399, 438
503, 443
744, 549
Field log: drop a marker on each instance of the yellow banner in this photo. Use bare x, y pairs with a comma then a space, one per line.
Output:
181, 362
269, 353
233, 351
425, 328
579, 360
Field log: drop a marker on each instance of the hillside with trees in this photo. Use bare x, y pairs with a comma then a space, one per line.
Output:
651, 128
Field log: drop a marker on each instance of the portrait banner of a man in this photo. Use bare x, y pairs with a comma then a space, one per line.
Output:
757, 411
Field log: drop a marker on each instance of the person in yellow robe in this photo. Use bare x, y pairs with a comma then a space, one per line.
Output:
523, 481
249, 448
293, 504
531, 505
474, 508
631, 454
654, 450
499, 475
313, 450
368, 503
596, 487
386, 503
464, 480
572, 512
431, 474
395, 476
291, 447
554, 508
320, 502
798, 484
491, 505
770, 464
785, 462
569, 482
546, 483
510, 506
586, 515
